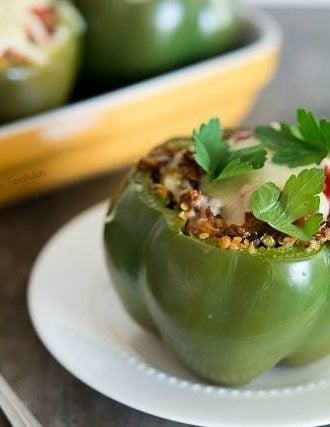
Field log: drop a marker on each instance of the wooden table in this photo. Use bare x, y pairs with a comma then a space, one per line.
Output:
56, 397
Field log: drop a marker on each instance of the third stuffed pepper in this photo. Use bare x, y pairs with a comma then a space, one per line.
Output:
39, 55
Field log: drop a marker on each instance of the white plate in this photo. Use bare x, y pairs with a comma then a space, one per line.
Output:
80, 320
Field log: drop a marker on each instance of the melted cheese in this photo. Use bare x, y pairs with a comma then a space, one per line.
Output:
15, 19
234, 194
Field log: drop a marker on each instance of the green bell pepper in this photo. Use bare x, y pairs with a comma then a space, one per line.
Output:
129, 39
228, 316
34, 87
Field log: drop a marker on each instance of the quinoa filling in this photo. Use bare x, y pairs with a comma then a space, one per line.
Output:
177, 180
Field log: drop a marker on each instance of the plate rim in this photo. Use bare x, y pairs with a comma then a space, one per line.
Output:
69, 367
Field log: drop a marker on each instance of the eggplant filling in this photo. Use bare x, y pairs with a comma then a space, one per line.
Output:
178, 180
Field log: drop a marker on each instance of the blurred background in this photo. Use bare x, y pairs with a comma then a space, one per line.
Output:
65, 147
119, 66
78, 87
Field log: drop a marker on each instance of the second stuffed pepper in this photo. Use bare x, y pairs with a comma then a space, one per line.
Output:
133, 39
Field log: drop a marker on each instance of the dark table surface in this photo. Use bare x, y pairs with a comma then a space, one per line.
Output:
56, 397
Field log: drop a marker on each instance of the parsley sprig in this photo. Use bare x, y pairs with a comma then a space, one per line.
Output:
306, 143
293, 210
298, 200
218, 160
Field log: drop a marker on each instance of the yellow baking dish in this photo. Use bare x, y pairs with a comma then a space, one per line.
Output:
112, 130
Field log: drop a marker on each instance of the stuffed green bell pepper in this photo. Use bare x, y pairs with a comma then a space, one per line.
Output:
130, 39
39, 55
219, 242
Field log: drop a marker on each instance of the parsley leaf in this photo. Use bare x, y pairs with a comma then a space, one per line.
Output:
213, 153
301, 145
315, 133
299, 199
244, 161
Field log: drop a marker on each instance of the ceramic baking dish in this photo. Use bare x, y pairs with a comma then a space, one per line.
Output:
112, 130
